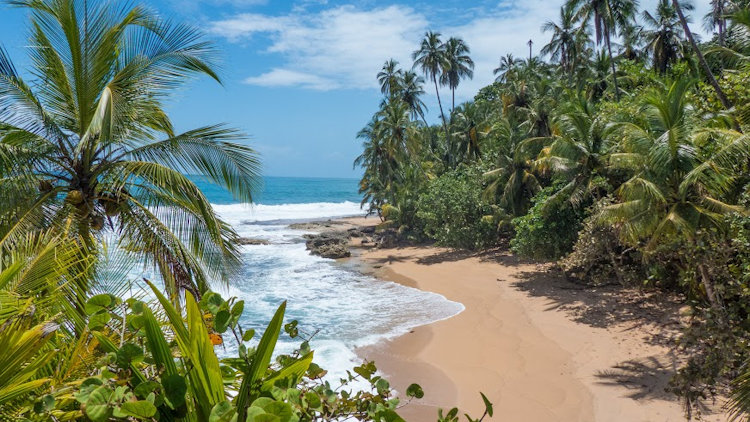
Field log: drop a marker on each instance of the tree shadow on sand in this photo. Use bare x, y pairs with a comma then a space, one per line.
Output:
646, 378
605, 306
498, 255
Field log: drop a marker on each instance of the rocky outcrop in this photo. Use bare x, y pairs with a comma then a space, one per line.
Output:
328, 245
251, 241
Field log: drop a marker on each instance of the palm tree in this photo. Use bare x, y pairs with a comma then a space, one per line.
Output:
673, 190
389, 76
410, 87
506, 69
430, 58
565, 41
664, 39
469, 126
513, 180
91, 145
607, 17
716, 18
458, 65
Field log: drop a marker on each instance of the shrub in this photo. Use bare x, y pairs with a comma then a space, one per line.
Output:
453, 213
548, 230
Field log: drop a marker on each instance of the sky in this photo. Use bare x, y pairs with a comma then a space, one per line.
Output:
299, 77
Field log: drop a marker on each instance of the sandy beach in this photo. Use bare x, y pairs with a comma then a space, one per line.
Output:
539, 347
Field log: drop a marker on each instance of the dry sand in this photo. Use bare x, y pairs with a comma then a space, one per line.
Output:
540, 348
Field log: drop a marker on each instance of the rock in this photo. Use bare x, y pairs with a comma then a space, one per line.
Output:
328, 245
251, 241
387, 239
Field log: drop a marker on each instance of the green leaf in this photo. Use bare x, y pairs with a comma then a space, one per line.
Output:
97, 407
382, 385
487, 404
143, 389
98, 303
127, 354
282, 410
222, 412
295, 371
238, 308
415, 390
221, 321
248, 335
174, 388
211, 302
138, 409
98, 321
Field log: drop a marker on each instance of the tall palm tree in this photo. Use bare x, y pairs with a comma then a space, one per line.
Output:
430, 58
458, 65
607, 18
506, 68
92, 147
411, 91
565, 39
664, 38
389, 76
716, 18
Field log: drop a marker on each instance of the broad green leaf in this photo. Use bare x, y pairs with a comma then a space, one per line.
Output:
487, 405
98, 303
97, 406
98, 321
415, 390
174, 389
222, 412
295, 370
138, 409
127, 354
221, 321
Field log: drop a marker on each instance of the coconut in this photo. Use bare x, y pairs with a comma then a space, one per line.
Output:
74, 197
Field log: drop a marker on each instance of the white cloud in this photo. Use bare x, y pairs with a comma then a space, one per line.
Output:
344, 47
285, 77
342, 44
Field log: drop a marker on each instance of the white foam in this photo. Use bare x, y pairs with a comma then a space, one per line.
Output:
245, 213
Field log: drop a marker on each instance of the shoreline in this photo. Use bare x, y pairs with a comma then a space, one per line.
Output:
539, 347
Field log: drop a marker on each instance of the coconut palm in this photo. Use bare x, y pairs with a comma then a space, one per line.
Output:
458, 65
664, 38
607, 17
565, 43
674, 190
506, 69
411, 90
513, 181
88, 144
716, 18
470, 126
389, 76
430, 58
578, 152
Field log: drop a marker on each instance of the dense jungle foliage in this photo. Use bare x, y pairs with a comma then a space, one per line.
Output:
619, 151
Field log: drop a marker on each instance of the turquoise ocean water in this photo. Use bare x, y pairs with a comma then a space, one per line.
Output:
345, 308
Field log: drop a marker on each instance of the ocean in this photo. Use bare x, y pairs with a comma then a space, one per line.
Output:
345, 308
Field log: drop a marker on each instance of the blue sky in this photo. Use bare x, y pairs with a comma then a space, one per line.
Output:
299, 76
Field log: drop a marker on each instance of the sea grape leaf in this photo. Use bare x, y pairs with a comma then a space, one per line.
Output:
174, 389
415, 390
138, 409
98, 303
98, 321
127, 354
222, 412
221, 321
97, 406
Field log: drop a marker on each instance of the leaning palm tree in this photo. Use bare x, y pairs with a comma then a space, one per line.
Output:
458, 65
430, 58
88, 151
607, 18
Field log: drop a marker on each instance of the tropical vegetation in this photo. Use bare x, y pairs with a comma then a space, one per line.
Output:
620, 153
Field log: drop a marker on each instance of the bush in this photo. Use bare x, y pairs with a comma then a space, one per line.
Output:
453, 213
548, 230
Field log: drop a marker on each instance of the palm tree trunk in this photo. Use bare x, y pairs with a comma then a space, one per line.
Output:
612, 61
708, 286
719, 92
453, 101
440, 104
